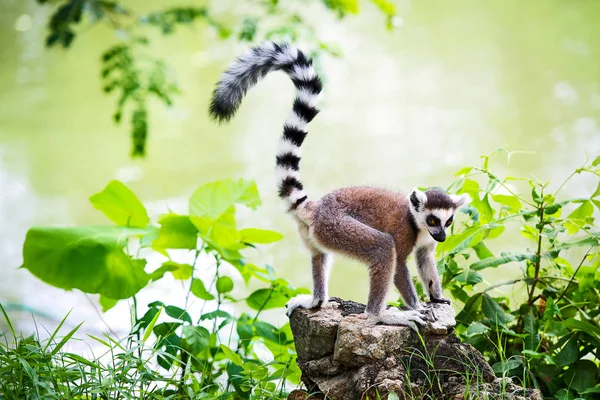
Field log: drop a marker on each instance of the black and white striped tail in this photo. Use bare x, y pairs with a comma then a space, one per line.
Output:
245, 73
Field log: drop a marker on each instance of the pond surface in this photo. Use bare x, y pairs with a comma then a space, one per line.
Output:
401, 109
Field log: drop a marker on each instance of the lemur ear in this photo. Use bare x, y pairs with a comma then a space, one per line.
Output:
418, 199
461, 200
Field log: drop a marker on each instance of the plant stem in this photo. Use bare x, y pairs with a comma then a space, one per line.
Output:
538, 252
573, 277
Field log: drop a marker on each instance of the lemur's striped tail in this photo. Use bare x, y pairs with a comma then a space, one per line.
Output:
245, 73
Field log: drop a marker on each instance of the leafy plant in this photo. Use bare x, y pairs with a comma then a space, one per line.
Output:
105, 260
544, 327
130, 68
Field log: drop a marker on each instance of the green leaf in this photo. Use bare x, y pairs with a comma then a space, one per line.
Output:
496, 261
180, 272
151, 325
107, 303
530, 327
469, 277
178, 313
583, 326
231, 355
200, 291
476, 328
579, 216
176, 232
214, 199
252, 235
196, 338
121, 205
581, 375
493, 311
504, 367
597, 192
511, 201
482, 250
91, 259
224, 284
161, 271
65, 339
596, 161
463, 171
568, 354
264, 299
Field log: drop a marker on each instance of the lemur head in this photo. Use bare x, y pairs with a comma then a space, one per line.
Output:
433, 210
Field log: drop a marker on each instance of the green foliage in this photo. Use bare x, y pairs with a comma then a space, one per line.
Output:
209, 355
542, 328
545, 331
129, 67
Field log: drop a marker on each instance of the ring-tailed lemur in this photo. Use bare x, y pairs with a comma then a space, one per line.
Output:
377, 226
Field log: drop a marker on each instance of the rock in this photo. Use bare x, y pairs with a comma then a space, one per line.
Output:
346, 357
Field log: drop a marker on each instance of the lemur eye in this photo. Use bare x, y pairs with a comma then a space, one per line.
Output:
431, 221
449, 222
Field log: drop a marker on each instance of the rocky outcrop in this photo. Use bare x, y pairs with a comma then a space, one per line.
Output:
344, 357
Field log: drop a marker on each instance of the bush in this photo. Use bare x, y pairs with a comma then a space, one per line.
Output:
545, 332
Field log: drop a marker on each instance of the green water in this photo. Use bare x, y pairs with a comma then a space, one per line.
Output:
455, 80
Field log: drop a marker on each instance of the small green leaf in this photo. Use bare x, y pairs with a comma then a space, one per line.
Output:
200, 291
252, 235
530, 327
578, 217
151, 325
196, 338
504, 367
476, 328
180, 272
224, 284
511, 201
496, 261
121, 205
469, 277
596, 161
264, 299
178, 313
463, 171
231, 355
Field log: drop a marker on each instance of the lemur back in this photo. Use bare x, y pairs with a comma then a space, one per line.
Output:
379, 227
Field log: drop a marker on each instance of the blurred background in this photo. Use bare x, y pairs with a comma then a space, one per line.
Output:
411, 95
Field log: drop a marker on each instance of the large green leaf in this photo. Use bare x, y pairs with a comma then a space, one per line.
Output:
530, 327
581, 375
90, 259
121, 205
493, 311
568, 354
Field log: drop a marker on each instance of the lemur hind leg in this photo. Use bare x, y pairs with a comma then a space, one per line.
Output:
377, 249
321, 266
428, 273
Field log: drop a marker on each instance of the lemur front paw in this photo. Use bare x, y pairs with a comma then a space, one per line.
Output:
303, 301
440, 300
